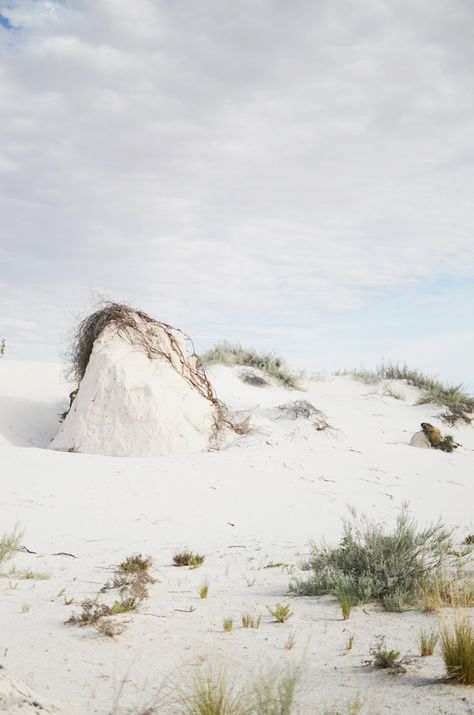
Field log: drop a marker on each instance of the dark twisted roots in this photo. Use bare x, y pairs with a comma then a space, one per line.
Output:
137, 328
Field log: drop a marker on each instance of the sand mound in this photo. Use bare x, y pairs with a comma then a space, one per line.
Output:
141, 392
17, 699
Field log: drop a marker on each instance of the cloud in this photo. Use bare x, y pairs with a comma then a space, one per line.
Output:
233, 164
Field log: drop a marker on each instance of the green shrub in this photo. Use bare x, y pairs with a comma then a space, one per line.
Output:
227, 354
371, 564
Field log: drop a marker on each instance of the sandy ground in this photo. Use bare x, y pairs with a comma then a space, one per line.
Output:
257, 501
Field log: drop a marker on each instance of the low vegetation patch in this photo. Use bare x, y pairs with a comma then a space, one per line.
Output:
227, 354
306, 410
457, 649
381, 656
249, 621
371, 564
188, 558
228, 624
457, 403
131, 577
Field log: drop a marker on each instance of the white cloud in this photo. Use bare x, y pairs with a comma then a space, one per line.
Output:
215, 162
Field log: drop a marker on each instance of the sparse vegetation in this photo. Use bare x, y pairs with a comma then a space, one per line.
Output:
306, 410
9, 545
204, 591
390, 391
188, 558
25, 607
249, 621
290, 642
109, 627
280, 612
350, 641
427, 641
457, 649
275, 565
459, 405
28, 575
92, 612
228, 624
227, 354
371, 564
2, 347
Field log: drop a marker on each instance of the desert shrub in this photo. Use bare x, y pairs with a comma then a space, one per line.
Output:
132, 577
9, 544
457, 649
188, 558
458, 403
227, 354
427, 641
280, 612
371, 564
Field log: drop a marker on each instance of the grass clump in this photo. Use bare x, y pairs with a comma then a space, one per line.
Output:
188, 558
212, 692
427, 641
204, 591
280, 612
457, 649
249, 621
371, 564
458, 404
10, 543
228, 624
227, 354
345, 604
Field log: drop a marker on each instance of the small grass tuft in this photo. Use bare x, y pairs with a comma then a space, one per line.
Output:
204, 591
427, 641
350, 641
280, 612
10, 543
290, 642
25, 607
249, 621
228, 624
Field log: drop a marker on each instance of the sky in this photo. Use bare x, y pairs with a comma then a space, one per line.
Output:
297, 177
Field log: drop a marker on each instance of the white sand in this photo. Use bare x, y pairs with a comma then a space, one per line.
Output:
260, 500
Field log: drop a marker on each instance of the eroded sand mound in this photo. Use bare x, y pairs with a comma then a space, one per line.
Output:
142, 394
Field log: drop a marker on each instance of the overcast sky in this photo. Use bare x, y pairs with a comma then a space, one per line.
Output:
296, 176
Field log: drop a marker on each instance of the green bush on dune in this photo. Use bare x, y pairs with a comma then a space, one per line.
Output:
370, 564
